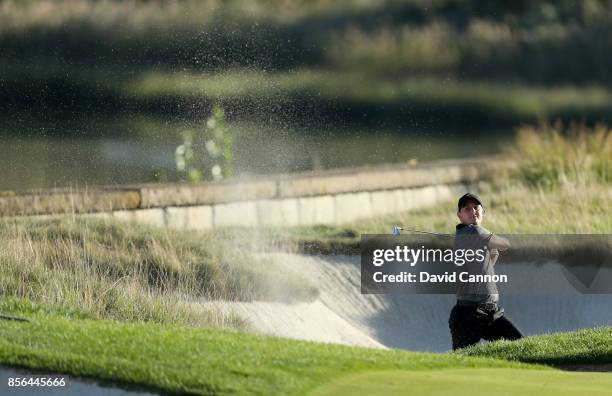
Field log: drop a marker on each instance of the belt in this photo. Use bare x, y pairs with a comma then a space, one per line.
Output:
485, 306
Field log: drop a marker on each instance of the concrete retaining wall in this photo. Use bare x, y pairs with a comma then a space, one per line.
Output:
329, 197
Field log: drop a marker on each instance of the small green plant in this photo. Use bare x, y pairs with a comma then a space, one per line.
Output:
206, 154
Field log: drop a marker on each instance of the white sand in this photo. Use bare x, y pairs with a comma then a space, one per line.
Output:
341, 314
335, 317
305, 321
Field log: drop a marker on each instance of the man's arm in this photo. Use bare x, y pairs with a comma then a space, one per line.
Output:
493, 256
499, 243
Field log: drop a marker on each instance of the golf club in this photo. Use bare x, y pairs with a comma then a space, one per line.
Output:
398, 230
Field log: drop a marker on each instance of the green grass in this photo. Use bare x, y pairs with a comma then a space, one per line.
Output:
203, 361
469, 382
186, 359
583, 347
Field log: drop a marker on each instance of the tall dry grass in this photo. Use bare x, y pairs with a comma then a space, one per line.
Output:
554, 156
127, 271
512, 208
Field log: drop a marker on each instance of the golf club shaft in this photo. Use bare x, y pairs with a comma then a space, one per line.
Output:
426, 232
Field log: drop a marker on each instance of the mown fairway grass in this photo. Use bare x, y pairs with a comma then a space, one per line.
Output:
193, 360
200, 361
469, 382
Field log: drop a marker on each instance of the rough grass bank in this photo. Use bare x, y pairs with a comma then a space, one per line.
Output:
114, 270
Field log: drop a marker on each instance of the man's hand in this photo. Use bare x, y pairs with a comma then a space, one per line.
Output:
493, 256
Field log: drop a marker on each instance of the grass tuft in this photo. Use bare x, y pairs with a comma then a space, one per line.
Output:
583, 347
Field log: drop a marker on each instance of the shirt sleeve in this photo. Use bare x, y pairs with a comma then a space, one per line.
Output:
473, 236
483, 233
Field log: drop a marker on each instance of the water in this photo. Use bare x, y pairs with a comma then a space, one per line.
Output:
122, 151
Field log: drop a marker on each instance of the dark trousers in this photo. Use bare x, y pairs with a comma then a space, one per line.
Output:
468, 326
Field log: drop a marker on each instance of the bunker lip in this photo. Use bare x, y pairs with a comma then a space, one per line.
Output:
599, 368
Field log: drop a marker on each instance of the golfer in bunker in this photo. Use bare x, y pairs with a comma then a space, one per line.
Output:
477, 314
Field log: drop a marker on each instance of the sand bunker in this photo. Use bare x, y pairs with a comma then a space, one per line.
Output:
341, 314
